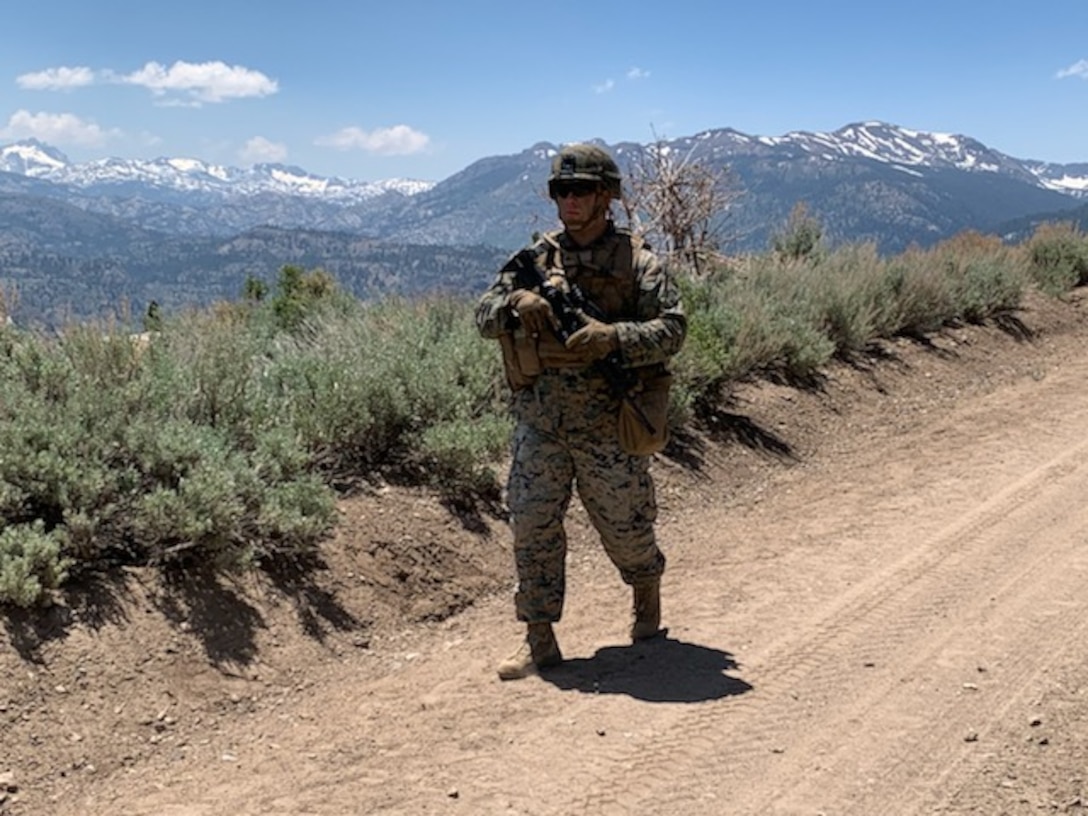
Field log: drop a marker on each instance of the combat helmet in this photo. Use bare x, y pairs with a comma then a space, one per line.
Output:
585, 162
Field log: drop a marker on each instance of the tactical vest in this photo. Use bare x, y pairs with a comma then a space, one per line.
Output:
605, 274
605, 271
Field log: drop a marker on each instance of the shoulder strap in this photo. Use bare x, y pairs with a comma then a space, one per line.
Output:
548, 250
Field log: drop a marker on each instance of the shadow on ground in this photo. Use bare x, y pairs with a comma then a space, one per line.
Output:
723, 427
214, 607
661, 670
226, 620
96, 601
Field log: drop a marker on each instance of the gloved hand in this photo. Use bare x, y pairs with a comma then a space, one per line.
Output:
595, 340
535, 312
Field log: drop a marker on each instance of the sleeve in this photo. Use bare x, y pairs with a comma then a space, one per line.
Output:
661, 327
493, 315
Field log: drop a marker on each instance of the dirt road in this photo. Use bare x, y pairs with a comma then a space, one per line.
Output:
898, 625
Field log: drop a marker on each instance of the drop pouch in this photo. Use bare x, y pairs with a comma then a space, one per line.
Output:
652, 398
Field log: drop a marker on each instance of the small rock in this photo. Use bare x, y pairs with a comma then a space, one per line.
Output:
970, 686
453, 793
601, 732
971, 737
1036, 722
7, 782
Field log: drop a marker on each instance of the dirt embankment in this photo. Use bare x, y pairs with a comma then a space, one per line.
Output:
877, 602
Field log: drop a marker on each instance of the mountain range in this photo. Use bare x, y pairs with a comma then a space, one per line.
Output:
77, 239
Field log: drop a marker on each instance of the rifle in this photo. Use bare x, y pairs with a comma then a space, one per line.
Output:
569, 308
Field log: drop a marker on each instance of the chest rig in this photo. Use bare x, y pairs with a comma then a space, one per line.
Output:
604, 271
604, 274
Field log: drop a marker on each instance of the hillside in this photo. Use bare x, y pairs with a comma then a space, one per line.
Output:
1021, 228
875, 599
78, 239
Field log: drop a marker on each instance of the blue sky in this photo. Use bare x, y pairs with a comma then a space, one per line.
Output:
420, 90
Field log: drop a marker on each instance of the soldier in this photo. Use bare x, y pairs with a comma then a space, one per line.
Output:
568, 427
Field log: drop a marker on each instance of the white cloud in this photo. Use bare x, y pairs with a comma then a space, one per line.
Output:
1079, 69
399, 140
259, 150
56, 129
604, 87
56, 79
637, 73
200, 82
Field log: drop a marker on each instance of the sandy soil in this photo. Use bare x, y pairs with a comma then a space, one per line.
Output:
877, 603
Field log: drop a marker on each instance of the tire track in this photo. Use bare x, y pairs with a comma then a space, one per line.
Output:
935, 718
894, 610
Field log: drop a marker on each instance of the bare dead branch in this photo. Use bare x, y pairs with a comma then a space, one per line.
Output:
680, 203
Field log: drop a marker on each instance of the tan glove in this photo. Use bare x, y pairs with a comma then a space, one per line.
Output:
595, 340
535, 312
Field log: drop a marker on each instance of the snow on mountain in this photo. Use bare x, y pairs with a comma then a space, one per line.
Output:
910, 151
1065, 178
906, 149
32, 158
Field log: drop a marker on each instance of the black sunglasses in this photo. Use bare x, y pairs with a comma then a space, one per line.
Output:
578, 189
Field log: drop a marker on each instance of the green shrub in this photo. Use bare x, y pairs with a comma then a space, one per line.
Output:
362, 389
800, 238
969, 277
1058, 257
152, 454
31, 563
456, 456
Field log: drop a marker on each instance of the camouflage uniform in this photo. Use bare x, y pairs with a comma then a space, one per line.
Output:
566, 419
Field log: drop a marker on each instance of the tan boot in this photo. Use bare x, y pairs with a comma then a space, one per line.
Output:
647, 610
539, 650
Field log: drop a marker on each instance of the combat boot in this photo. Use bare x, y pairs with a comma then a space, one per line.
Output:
539, 650
647, 610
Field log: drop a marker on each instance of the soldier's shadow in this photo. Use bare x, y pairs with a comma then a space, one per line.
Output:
660, 670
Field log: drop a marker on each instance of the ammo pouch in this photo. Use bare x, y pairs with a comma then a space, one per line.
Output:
520, 359
524, 357
652, 396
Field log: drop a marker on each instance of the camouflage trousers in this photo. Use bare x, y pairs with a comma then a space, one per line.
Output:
566, 439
